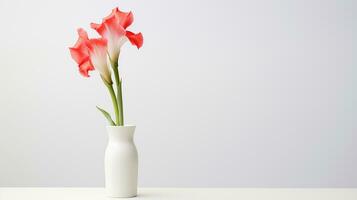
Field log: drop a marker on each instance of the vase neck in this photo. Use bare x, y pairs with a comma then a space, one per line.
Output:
120, 133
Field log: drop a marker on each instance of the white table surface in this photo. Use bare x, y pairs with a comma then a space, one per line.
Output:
24, 193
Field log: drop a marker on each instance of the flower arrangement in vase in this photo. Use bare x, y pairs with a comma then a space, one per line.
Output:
102, 54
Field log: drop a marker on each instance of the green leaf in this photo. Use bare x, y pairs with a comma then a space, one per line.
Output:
106, 115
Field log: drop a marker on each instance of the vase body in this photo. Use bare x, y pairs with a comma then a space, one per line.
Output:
121, 162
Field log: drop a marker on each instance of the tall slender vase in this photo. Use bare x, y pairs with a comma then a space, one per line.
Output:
121, 162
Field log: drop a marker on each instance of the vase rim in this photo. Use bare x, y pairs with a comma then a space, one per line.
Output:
125, 126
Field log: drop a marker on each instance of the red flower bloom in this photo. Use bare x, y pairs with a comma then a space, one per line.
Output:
80, 53
91, 54
113, 29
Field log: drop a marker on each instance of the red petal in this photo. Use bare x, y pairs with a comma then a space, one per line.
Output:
79, 51
78, 55
82, 33
114, 26
112, 14
125, 19
82, 36
100, 28
110, 26
135, 39
97, 42
85, 67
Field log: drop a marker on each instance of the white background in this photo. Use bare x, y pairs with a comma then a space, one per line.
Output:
223, 93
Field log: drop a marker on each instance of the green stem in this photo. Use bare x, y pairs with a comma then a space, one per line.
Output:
120, 102
114, 101
119, 96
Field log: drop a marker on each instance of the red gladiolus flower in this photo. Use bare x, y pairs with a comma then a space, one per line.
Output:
113, 29
91, 54
80, 54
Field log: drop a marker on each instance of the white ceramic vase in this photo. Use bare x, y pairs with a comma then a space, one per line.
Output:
121, 162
